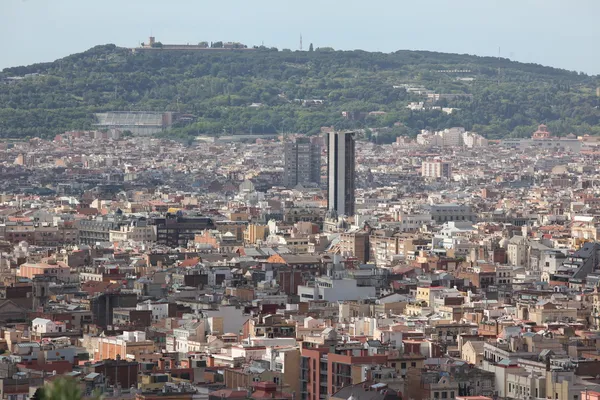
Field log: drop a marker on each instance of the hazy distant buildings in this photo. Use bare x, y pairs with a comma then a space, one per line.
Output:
302, 163
453, 137
26, 160
442, 213
436, 169
140, 123
542, 139
341, 172
153, 45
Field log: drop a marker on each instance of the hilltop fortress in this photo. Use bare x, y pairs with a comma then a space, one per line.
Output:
153, 45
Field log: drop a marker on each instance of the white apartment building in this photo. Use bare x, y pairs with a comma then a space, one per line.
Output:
407, 222
136, 231
452, 137
159, 310
43, 325
445, 212
436, 169
333, 290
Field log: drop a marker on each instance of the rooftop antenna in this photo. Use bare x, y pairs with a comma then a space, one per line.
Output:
300, 42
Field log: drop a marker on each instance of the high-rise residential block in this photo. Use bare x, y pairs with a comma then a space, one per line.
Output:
436, 169
341, 173
302, 163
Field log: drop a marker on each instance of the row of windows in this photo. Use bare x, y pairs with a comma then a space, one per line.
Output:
523, 390
444, 395
310, 296
403, 365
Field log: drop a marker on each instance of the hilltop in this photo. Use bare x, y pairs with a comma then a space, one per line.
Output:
274, 91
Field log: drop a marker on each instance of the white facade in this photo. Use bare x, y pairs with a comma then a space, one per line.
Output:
134, 233
471, 140
550, 262
436, 169
409, 221
572, 145
42, 325
453, 236
159, 310
233, 318
517, 251
452, 137
441, 213
333, 290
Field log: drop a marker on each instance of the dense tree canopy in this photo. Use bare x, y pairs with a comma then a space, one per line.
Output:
265, 91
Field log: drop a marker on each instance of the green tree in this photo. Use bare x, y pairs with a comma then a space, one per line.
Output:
214, 90
61, 389
38, 395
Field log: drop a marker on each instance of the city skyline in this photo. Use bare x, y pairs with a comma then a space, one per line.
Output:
548, 33
201, 218
170, 258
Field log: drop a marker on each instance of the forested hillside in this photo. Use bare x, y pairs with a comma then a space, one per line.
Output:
263, 91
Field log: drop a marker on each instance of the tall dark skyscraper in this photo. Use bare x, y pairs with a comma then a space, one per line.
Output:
341, 172
302, 163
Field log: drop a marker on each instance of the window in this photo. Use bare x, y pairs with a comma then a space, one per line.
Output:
444, 395
451, 395
436, 395
403, 365
413, 364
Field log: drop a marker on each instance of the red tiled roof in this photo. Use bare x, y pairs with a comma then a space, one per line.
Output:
190, 262
93, 287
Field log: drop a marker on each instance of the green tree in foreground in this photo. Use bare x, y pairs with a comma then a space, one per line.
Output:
38, 395
61, 389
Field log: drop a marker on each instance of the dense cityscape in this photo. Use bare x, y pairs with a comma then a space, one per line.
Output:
299, 201
445, 266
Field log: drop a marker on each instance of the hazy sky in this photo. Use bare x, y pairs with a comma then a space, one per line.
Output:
561, 33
